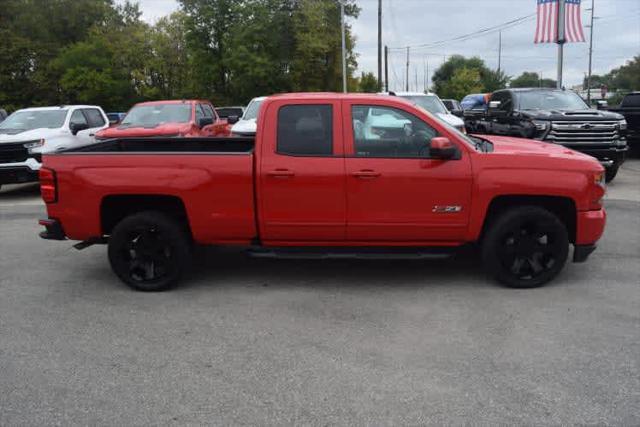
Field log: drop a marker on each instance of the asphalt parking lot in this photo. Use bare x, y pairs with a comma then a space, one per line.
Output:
248, 341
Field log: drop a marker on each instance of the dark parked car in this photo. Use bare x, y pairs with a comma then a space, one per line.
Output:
453, 106
630, 109
115, 118
226, 112
559, 117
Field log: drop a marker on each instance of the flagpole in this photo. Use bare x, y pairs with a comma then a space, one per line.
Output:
560, 40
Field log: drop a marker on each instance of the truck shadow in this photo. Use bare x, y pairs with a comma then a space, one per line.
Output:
223, 267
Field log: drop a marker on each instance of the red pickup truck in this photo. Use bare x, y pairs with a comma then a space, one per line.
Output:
329, 175
189, 118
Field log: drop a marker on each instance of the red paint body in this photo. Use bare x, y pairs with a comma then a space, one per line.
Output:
342, 200
220, 127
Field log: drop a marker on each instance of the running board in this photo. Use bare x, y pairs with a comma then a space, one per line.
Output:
352, 253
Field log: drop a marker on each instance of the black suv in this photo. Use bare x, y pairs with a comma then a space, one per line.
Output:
556, 116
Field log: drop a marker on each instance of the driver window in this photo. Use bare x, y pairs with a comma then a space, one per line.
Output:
389, 132
77, 118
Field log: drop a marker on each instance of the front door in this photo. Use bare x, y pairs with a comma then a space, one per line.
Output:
395, 191
302, 197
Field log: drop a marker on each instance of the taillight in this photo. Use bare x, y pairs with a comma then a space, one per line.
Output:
48, 188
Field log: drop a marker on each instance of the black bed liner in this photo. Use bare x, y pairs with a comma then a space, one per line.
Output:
172, 144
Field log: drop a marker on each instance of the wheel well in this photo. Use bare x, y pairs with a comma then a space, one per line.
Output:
563, 207
115, 208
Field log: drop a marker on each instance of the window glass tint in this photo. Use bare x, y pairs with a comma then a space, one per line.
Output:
34, 119
305, 130
231, 111
199, 112
155, 115
389, 132
208, 111
77, 118
631, 100
95, 118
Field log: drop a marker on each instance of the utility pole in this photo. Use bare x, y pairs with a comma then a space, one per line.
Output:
499, 50
415, 70
424, 76
379, 44
407, 73
590, 54
386, 68
344, 49
560, 41
426, 89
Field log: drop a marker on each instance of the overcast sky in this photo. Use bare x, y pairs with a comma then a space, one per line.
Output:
417, 22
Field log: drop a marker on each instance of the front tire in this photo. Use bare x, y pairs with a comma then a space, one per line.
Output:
525, 247
610, 173
149, 251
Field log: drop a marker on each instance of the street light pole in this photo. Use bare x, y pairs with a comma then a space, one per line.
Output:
379, 44
344, 49
590, 54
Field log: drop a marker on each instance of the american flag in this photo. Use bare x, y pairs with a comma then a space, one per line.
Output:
547, 23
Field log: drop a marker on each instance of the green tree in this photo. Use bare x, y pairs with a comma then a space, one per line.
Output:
368, 83
531, 79
490, 80
463, 82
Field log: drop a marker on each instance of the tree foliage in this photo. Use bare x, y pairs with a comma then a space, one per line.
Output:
102, 52
489, 80
368, 83
531, 79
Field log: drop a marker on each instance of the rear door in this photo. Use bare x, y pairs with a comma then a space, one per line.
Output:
301, 173
395, 192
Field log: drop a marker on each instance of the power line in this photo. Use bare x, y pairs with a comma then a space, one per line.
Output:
467, 36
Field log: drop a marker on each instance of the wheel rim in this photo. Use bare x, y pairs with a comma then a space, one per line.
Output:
147, 254
530, 250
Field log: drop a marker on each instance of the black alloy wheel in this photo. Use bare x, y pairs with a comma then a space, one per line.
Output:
149, 251
526, 247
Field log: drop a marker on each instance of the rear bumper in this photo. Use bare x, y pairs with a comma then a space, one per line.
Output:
53, 229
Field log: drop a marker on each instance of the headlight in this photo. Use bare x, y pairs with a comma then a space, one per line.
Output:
33, 144
540, 124
622, 125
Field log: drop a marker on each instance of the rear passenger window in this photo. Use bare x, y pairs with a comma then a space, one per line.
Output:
94, 117
305, 130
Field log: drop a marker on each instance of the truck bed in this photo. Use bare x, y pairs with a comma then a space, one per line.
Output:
210, 176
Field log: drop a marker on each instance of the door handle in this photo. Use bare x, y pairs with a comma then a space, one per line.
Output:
280, 173
92, 134
366, 174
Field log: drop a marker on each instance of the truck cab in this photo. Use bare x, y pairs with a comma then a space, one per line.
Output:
558, 117
29, 133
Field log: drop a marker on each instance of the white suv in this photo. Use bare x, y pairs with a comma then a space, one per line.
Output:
432, 103
26, 134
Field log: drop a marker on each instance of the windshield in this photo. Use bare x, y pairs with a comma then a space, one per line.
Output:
34, 119
550, 100
154, 115
252, 110
431, 103
225, 112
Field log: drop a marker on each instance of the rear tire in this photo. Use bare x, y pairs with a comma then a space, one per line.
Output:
525, 247
149, 251
610, 173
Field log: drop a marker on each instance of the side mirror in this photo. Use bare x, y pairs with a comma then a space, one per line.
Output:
232, 120
77, 127
458, 113
442, 148
204, 121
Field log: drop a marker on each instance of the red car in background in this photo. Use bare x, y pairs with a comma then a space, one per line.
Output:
185, 118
